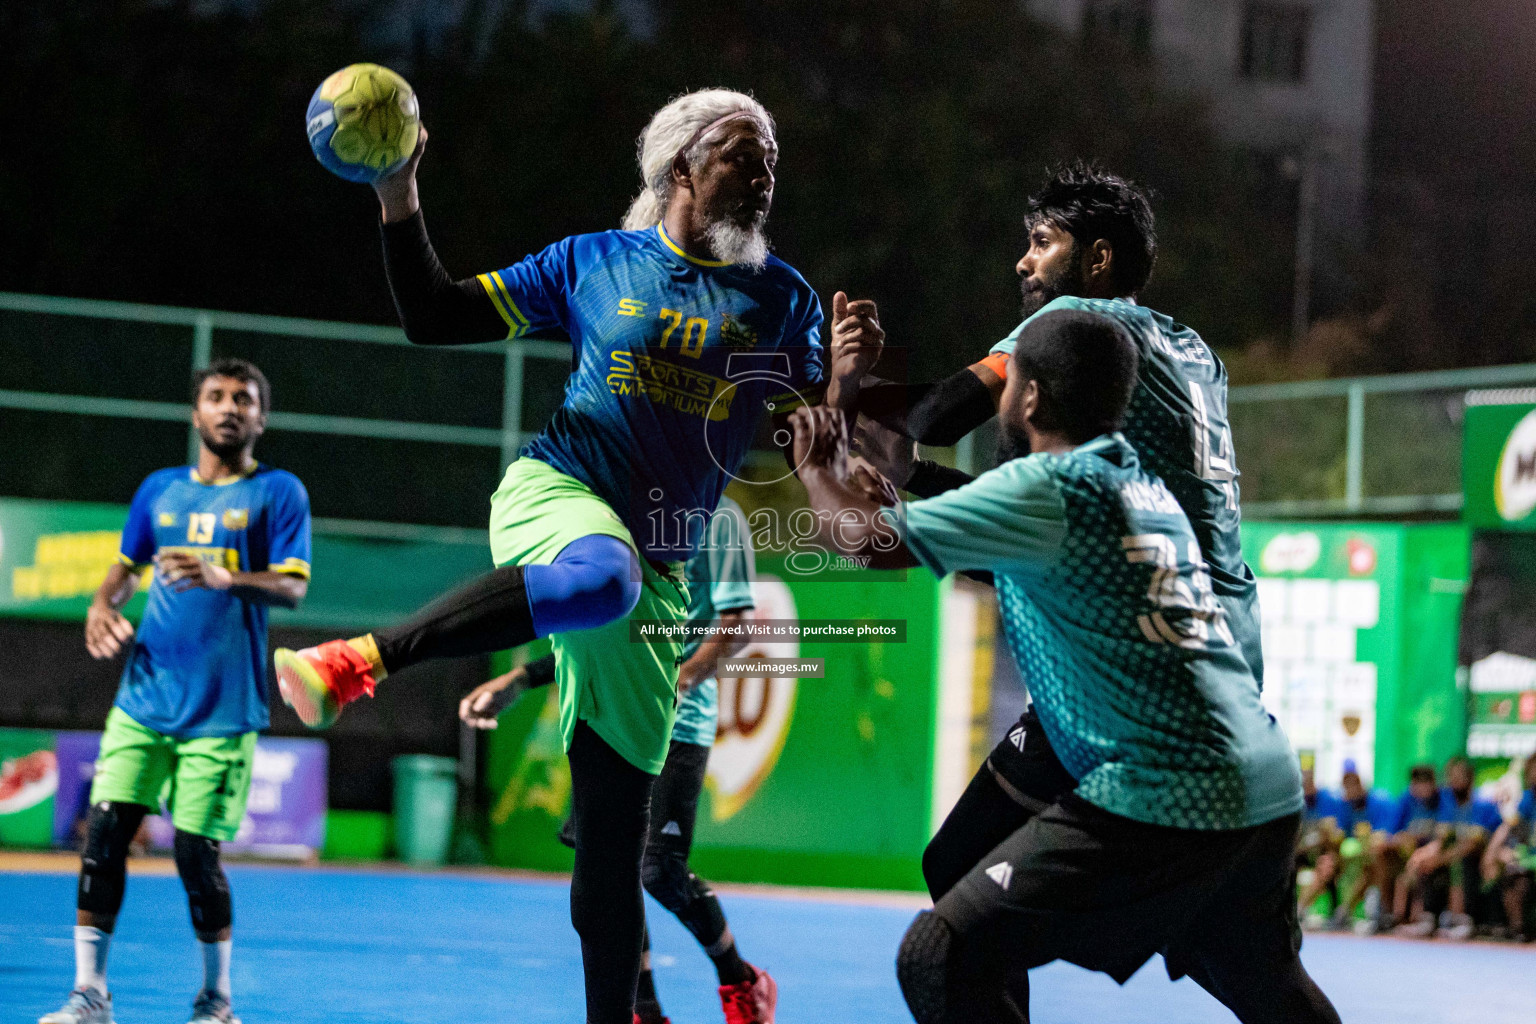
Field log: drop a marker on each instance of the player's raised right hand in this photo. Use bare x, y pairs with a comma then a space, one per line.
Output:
397, 193
106, 631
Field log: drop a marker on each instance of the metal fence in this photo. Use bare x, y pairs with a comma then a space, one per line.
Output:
139, 356
430, 424
1365, 446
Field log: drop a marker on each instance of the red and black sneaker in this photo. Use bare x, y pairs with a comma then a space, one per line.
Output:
318, 682
750, 1002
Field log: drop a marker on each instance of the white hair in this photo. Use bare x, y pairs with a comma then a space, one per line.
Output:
669, 131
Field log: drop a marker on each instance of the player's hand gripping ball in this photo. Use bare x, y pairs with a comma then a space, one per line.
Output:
363, 123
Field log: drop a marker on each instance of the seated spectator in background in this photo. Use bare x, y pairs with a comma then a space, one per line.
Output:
1317, 849
1412, 831
1510, 861
1448, 865
1365, 819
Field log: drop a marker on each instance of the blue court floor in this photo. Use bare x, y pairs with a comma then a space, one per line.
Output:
399, 948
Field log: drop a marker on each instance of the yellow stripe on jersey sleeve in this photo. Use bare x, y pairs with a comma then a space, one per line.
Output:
490, 291
501, 298
291, 567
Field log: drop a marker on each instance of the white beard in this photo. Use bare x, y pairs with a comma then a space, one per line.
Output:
733, 243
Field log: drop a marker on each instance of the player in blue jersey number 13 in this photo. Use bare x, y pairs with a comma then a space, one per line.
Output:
228, 538
685, 330
1180, 834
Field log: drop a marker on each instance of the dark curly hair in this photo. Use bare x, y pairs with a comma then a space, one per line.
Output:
1090, 203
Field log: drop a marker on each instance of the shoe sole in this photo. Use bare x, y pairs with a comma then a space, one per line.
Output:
304, 690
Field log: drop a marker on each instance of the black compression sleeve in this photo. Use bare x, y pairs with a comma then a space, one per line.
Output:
938, 413
541, 671
930, 479
434, 309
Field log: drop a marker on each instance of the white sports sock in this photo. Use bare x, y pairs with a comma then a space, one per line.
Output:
91, 957
216, 966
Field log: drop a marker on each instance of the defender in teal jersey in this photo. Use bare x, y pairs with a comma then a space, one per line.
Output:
1092, 245
228, 538
720, 595
1180, 833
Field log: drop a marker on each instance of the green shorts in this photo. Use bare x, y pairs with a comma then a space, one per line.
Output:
204, 781
626, 692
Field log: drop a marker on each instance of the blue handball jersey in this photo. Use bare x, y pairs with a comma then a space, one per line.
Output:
1376, 813
1417, 818
1465, 820
675, 362
1108, 608
199, 662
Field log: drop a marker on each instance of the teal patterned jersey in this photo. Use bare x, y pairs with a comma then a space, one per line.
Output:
1177, 422
719, 581
1108, 607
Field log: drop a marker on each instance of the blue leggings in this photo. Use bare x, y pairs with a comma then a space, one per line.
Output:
592, 581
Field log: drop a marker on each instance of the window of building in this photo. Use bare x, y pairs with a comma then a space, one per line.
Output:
1126, 21
1275, 41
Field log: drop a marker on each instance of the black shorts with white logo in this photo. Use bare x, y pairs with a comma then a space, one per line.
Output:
1080, 884
1026, 765
1020, 778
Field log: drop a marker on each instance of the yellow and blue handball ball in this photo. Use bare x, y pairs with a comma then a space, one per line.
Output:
363, 122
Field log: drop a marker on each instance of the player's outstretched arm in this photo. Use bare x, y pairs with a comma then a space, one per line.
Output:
894, 455
106, 631
481, 706
842, 491
182, 570
938, 412
722, 642
434, 309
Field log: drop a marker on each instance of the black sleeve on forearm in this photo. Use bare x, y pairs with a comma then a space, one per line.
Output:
434, 309
541, 671
937, 413
930, 479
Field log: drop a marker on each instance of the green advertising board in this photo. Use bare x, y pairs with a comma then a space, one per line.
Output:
1499, 485
1360, 629
826, 781
29, 778
1498, 460
54, 554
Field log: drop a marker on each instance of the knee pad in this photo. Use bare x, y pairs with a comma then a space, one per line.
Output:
104, 858
667, 878
593, 581
922, 968
197, 861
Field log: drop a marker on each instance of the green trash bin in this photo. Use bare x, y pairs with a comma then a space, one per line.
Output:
426, 794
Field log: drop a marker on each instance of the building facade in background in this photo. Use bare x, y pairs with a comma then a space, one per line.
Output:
1287, 78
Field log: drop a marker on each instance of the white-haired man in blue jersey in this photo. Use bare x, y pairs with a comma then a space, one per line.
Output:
685, 332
